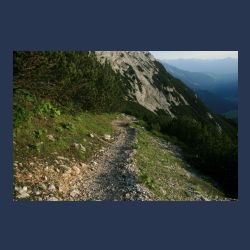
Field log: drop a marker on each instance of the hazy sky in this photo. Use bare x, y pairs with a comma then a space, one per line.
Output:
194, 54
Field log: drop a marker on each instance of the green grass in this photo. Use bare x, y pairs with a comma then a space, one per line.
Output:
40, 119
165, 174
32, 137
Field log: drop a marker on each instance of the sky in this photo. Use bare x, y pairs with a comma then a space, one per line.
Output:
170, 55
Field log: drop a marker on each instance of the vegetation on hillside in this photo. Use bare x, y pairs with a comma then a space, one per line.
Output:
210, 150
68, 78
52, 89
46, 130
166, 174
211, 144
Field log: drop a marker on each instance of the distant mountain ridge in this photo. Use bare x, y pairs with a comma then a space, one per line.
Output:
218, 92
213, 66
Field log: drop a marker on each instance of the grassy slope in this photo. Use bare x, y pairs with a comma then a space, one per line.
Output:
31, 135
166, 174
161, 171
29, 143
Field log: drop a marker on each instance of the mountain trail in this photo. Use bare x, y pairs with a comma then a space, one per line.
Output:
113, 173
110, 174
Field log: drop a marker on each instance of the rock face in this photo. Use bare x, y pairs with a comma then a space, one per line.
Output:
140, 69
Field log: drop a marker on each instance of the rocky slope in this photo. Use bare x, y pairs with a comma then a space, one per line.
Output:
140, 70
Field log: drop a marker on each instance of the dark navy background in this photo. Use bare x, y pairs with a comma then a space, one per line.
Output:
123, 25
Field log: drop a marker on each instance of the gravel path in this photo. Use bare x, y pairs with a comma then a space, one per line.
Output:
113, 173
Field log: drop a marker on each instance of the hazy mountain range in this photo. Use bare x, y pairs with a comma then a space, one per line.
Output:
216, 66
217, 85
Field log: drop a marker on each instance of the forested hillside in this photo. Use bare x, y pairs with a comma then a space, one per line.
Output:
68, 78
56, 85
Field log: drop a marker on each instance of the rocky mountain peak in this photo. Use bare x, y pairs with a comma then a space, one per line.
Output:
140, 69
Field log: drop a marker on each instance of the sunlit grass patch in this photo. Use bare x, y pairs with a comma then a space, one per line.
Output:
45, 130
166, 174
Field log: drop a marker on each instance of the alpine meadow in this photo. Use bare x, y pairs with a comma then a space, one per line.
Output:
123, 126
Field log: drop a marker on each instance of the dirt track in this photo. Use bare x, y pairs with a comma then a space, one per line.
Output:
113, 174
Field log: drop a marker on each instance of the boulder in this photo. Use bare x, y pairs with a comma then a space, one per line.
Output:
23, 196
76, 170
74, 193
94, 163
82, 164
23, 192
24, 189
107, 137
15, 164
62, 158
52, 187
43, 186
79, 146
64, 168
204, 198
51, 138
52, 199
